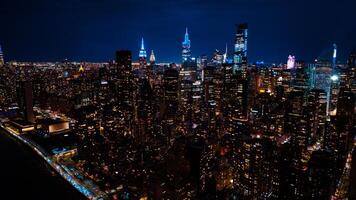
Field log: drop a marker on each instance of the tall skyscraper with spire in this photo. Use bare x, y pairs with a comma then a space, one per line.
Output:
152, 58
142, 55
2, 62
334, 57
225, 55
326, 74
240, 54
186, 53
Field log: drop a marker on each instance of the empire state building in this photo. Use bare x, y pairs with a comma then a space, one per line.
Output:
186, 53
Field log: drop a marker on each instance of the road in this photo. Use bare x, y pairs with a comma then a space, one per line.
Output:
24, 175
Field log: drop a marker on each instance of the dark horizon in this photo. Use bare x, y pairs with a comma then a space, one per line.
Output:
92, 31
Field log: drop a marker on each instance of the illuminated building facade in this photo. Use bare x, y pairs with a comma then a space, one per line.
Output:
240, 49
218, 57
202, 62
320, 176
152, 58
301, 75
125, 87
325, 72
345, 118
234, 99
316, 102
291, 62
142, 58
171, 86
209, 129
25, 100
264, 80
186, 53
144, 111
225, 56
2, 62
212, 91
187, 76
351, 64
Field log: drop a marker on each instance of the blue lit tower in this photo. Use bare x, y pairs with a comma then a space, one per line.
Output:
240, 53
225, 55
186, 53
1, 57
334, 85
142, 55
325, 73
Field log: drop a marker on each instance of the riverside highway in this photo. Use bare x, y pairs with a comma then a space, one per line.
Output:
25, 175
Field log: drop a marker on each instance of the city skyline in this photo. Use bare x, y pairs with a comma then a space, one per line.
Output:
91, 31
178, 105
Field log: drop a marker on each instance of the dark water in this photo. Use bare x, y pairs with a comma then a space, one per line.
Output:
24, 175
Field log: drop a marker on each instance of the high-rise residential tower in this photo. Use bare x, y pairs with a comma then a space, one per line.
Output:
125, 86
240, 50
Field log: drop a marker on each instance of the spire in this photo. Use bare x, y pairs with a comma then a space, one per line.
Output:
142, 45
152, 57
186, 47
81, 69
335, 49
142, 53
334, 56
225, 54
186, 37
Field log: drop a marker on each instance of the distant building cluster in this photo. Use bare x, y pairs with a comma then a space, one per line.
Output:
212, 127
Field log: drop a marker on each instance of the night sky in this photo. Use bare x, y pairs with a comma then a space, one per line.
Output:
92, 30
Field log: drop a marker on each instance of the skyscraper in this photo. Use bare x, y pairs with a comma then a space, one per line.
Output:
186, 53
320, 175
316, 102
142, 56
301, 75
170, 82
291, 62
256, 167
144, 110
225, 55
142, 53
351, 63
150, 69
125, 86
2, 62
152, 58
240, 54
25, 100
324, 71
234, 99
123, 60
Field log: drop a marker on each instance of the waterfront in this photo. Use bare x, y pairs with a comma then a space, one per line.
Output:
24, 175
